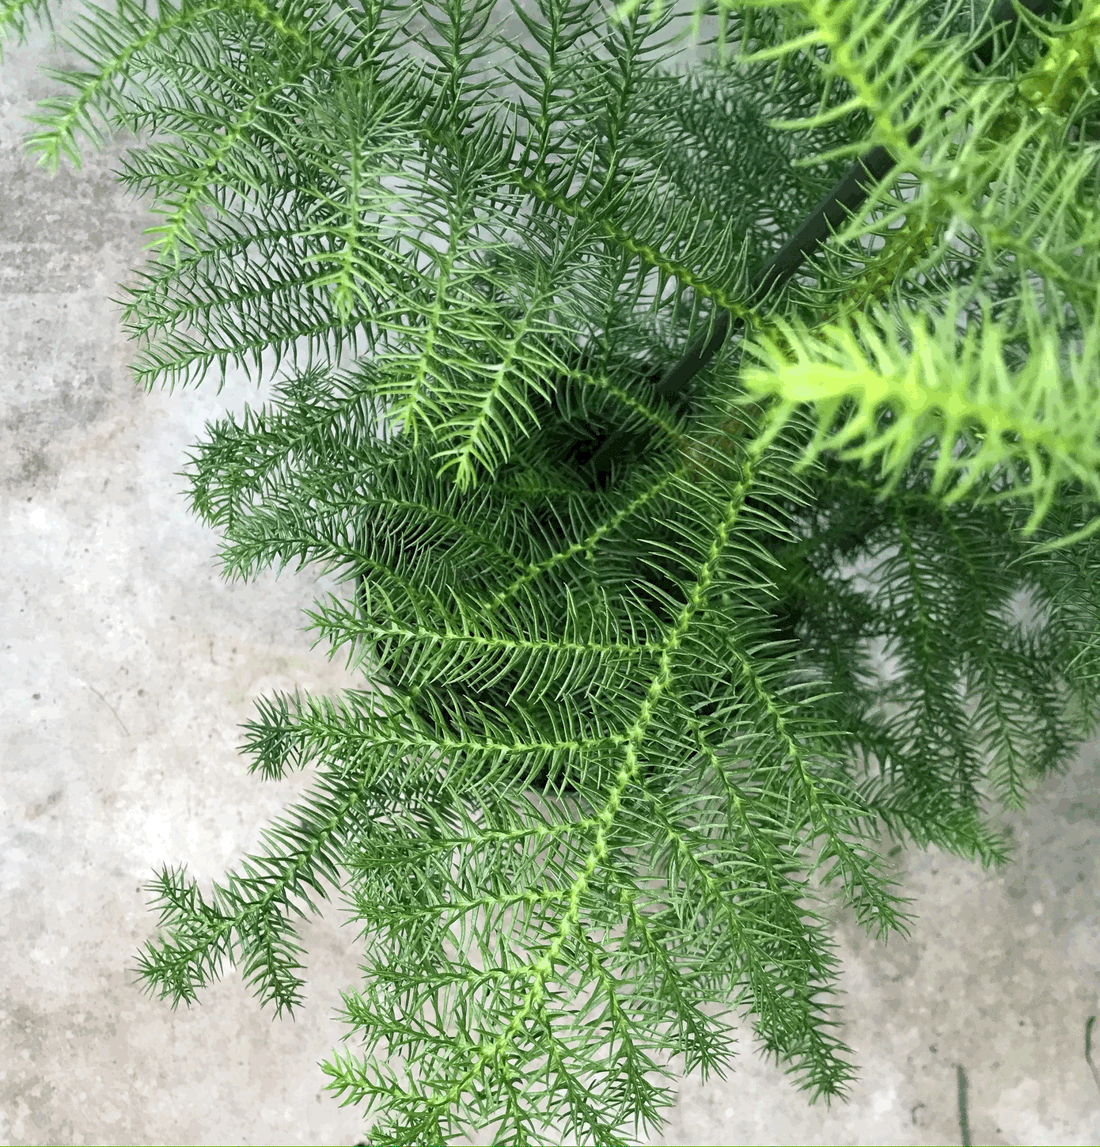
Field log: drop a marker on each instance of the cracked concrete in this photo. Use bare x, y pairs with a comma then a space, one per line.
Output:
127, 666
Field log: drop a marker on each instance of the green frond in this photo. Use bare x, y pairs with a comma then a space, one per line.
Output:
937, 389
626, 702
12, 14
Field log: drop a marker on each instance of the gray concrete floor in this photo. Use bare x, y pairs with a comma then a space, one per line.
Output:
127, 665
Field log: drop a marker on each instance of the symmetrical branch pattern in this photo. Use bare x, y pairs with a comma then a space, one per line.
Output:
628, 690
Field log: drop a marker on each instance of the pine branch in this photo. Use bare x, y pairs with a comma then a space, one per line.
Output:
842, 200
676, 658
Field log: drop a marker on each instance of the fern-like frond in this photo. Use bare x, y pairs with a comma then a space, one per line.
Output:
626, 704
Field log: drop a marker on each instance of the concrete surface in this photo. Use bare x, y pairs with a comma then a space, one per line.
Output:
126, 667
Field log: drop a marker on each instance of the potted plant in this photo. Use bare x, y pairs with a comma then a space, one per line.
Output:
597, 548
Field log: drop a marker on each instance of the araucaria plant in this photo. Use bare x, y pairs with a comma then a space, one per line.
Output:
599, 559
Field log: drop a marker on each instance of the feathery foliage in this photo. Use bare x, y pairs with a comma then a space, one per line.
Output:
638, 700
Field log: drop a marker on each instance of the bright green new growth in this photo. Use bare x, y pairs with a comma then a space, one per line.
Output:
678, 653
